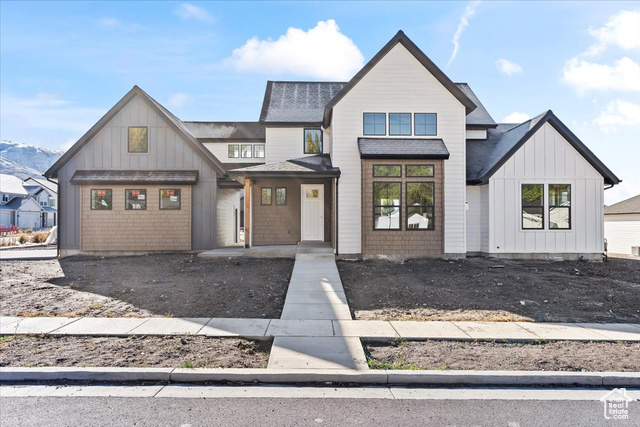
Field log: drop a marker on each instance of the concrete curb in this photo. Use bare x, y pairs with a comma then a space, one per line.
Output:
288, 376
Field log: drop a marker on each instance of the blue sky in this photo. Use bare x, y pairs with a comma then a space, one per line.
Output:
64, 64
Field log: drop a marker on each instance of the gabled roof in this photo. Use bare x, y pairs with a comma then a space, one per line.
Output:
480, 117
17, 202
297, 102
401, 38
173, 121
628, 206
402, 148
318, 166
51, 186
485, 157
225, 131
10, 184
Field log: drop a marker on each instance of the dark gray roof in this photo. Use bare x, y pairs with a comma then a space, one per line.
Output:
318, 165
402, 148
299, 102
479, 116
16, 203
229, 166
225, 131
628, 206
175, 177
485, 157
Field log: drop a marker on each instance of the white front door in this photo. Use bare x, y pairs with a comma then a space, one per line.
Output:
312, 212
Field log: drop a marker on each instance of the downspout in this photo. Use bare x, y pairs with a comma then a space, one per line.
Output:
337, 221
59, 187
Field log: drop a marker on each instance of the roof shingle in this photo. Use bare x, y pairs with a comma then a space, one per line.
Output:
402, 148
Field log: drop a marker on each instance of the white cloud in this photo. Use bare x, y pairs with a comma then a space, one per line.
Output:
321, 52
618, 113
622, 30
516, 117
507, 67
108, 22
469, 11
189, 11
586, 76
177, 100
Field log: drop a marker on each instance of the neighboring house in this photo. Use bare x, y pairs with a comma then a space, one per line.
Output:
28, 204
10, 189
399, 161
46, 194
622, 227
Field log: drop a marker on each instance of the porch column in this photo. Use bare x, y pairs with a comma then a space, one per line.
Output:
247, 213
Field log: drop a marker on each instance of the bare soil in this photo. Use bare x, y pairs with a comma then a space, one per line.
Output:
551, 356
180, 285
148, 352
482, 289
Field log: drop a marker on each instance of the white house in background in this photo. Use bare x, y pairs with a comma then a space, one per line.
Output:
399, 161
46, 194
28, 204
622, 227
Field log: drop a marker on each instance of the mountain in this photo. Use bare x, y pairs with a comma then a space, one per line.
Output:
23, 160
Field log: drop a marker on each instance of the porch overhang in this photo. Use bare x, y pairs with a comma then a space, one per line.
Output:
310, 167
402, 148
153, 177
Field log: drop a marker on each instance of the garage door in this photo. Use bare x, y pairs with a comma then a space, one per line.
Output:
29, 219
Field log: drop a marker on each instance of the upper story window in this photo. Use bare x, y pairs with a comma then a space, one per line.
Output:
138, 139
52, 202
246, 151
399, 123
234, 151
425, 124
258, 151
312, 141
5, 198
375, 124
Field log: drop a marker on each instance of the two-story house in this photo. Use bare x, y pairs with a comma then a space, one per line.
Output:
399, 161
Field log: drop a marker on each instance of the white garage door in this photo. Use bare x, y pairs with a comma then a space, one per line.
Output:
5, 218
29, 219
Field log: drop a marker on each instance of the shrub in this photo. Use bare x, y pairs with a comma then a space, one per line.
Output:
40, 237
23, 238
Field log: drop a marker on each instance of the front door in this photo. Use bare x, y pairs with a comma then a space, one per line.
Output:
312, 212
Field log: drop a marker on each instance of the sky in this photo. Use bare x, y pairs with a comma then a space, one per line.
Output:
64, 64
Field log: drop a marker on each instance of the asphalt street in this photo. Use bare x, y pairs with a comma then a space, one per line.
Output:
402, 407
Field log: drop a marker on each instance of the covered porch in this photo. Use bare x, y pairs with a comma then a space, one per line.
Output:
289, 202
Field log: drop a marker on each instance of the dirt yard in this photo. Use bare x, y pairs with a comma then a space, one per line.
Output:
180, 285
494, 290
148, 352
551, 356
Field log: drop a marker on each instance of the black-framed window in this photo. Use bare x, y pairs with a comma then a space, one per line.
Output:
559, 206
420, 171
101, 199
312, 141
425, 124
281, 196
135, 199
170, 199
246, 150
387, 201
138, 139
393, 171
533, 206
258, 151
265, 196
234, 151
375, 124
399, 123
420, 205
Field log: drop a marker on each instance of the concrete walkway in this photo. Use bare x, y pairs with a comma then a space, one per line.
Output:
315, 300
27, 254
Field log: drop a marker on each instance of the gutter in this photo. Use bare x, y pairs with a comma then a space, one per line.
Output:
337, 221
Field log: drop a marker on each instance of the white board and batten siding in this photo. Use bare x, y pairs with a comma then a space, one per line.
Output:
398, 83
108, 150
546, 158
622, 232
286, 143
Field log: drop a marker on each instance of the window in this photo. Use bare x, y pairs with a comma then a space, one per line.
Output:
425, 124
532, 206
246, 151
135, 199
375, 124
265, 198
100, 200
52, 202
312, 141
420, 205
281, 196
258, 151
399, 124
138, 139
5, 198
560, 206
420, 171
386, 205
234, 151
387, 170
170, 199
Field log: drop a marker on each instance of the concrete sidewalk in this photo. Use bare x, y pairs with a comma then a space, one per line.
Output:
27, 254
315, 328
